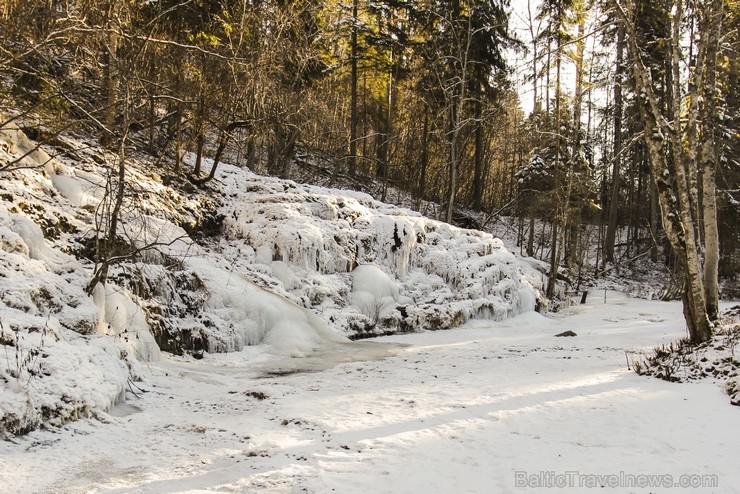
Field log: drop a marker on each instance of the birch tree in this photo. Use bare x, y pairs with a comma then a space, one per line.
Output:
681, 139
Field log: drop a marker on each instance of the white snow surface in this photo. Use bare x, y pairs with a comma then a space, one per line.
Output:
490, 407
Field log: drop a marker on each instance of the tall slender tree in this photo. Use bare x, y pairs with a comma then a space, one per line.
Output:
617, 152
674, 142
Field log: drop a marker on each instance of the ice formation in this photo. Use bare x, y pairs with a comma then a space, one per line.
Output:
293, 267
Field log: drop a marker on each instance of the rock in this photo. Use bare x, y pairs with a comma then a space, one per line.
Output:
566, 333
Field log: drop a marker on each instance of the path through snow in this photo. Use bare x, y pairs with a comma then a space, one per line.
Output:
473, 410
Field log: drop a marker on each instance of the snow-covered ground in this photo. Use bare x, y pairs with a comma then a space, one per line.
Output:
489, 407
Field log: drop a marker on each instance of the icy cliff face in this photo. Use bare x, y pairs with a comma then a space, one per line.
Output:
308, 246
308, 239
253, 260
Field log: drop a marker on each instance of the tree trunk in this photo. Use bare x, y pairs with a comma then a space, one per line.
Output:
554, 261
533, 36
223, 141
152, 123
200, 138
282, 149
178, 137
385, 135
711, 241
611, 230
452, 193
353, 95
115, 187
709, 156
670, 180
547, 76
479, 177
199, 149
654, 219
679, 227
111, 85
561, 205
576, 166
424, 159
251, 154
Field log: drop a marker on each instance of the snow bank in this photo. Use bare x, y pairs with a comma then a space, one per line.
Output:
16, 147
54, 375
35, 245
53, 368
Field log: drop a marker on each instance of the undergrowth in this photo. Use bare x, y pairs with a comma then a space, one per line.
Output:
717, 358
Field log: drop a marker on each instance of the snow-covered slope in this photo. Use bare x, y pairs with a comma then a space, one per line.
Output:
250, 261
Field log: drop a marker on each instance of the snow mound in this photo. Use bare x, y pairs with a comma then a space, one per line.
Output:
372, 290
52, 368
56, 375
120, 316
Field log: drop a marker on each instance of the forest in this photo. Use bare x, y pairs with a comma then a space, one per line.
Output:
607, 129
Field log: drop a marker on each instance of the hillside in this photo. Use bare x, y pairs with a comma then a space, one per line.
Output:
251, 261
